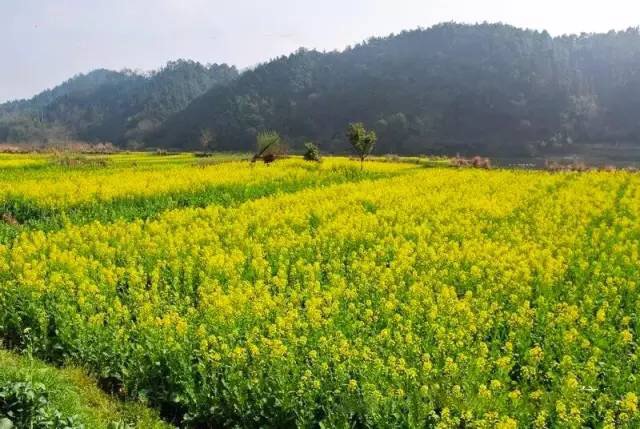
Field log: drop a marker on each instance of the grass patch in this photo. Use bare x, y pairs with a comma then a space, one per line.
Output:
63, 396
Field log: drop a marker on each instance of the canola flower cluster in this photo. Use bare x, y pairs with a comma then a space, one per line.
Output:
61, 188
141, 186
438, 298
21, 161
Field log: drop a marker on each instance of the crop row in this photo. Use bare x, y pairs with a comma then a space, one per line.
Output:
62, 197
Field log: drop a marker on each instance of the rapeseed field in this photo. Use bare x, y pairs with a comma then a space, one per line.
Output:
316, 295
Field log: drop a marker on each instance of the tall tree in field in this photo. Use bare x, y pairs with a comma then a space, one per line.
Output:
207, 140
363, 141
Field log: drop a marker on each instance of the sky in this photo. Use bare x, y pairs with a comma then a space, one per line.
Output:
44, 42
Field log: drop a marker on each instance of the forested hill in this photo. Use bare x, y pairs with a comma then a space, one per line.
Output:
487, 88
470, 88
119, 107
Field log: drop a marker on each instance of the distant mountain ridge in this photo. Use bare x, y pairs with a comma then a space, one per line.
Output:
103, 105
81, 82
486, 88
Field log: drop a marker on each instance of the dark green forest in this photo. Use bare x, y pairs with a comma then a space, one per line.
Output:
487, 88
107, 106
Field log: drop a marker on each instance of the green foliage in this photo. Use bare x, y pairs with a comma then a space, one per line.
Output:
26, 405
361, 140
35, 395
268, 146
312, 152
267, 140
120, 107
488, 88
472, 89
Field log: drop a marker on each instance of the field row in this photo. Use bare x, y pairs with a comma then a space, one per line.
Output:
63, 196
60, 188
438, 297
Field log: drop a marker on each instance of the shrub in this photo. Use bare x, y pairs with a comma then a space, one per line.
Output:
475, 162
312, 152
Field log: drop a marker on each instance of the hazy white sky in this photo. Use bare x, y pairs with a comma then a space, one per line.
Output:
43, 42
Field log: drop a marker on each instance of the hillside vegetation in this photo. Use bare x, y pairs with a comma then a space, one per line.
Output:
487, 88
107, 106
490, 88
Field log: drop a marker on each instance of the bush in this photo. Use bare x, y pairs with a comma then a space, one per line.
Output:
475, 162
312, 152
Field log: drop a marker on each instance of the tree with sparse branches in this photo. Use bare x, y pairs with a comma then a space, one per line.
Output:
206, 139
268, 147
361, 140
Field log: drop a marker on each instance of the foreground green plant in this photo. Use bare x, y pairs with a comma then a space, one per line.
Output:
34, 395
26, 405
